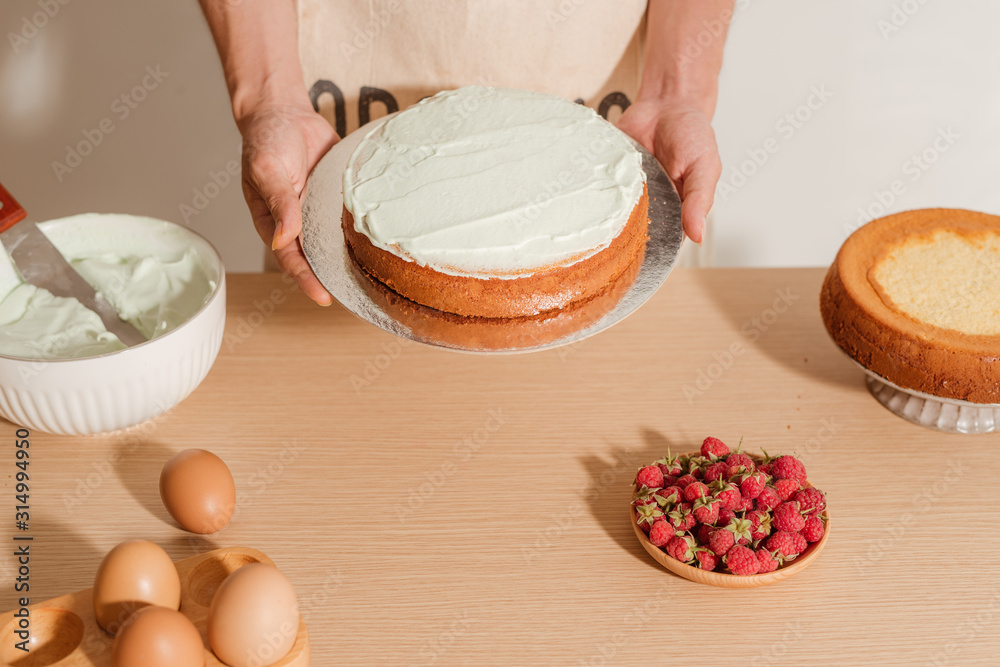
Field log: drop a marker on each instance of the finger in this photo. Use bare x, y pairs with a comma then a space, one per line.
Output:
293, 262
289, 258
274, 185
259, 213
697, 195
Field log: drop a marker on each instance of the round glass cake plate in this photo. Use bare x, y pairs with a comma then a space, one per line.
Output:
941, 414
326, 250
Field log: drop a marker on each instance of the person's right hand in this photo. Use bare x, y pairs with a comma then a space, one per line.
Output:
281, 145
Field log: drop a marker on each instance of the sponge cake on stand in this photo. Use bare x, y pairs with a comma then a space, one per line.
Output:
914, 298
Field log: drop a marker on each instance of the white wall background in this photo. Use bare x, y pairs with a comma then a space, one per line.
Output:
891, 93
900, 72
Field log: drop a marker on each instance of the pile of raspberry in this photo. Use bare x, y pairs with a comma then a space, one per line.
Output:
727, 511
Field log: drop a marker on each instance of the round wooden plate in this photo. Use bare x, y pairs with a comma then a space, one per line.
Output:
723, 579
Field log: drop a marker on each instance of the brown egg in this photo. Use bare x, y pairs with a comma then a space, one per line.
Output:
134, 574
158, 637
198, 491
254, 617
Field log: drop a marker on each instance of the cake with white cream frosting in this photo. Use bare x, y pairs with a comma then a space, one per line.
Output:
495, 203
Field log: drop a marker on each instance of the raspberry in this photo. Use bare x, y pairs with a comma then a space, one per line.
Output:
765, 468
746, 505
768, 499
752, 483
789, 545
714, 448
741, 530
668, 496
814, 529
706, 510
696, 465
681, 548
681, 517
695, 490
725, 516
669, 480
718, 470
704, 531
727, 494
721, 541
646, 499
788, 467
740, 460
768, 563
760, 523
660, 533
810, 500
706, 559
647, 515
787, 516
650, 477
669, 465
686, 480
689, 520
742, 561
786, 488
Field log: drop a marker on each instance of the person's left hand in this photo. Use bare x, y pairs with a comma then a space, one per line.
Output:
680, 135
282, 143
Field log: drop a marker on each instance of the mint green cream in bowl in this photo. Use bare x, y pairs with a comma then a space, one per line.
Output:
62, 372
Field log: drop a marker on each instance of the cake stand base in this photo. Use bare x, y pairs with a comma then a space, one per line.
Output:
941, 414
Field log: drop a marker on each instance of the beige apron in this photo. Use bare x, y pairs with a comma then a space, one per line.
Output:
363, 59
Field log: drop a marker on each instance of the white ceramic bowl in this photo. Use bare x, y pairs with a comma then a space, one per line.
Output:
123, 388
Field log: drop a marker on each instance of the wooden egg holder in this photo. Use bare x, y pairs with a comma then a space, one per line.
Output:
65, 633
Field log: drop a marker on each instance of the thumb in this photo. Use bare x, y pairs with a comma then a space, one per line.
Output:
697, 195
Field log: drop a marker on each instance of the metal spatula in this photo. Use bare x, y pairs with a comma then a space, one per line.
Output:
41, 265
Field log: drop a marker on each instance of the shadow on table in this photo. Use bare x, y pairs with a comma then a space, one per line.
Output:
188, 545
138, 463
610, 489
760, 313
61, 560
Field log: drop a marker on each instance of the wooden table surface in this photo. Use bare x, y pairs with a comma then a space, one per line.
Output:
435, 508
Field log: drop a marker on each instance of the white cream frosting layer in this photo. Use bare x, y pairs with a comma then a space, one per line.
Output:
144, 268
38, 325
154, 294
493, 183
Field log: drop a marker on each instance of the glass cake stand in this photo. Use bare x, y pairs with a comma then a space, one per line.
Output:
325, 249
942, 414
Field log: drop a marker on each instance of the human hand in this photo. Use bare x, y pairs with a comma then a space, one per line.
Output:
281, 145
680, 135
